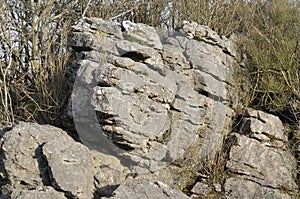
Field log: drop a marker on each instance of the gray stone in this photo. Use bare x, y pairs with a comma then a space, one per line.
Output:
142, 34
264, 127
71, 167
109, 173
204, 33
40, 193
140, 189
261, 164
174, 58
218, 187
152, 99
153, 110
43, 155
240, 188
257, 161
23, 155
99, 27
201, 188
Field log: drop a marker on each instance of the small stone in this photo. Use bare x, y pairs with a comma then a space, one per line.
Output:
218, 187
201, 188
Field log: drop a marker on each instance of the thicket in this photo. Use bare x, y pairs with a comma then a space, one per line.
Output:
35, 53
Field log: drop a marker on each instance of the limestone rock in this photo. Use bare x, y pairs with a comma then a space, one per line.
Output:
110, 173
204, 33
146, 96
201, 189
240, 188
139, 189
141, 33
153, 112
262, 166
45, 192
71, 167
43, 155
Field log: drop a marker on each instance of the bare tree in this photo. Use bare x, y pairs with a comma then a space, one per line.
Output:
33, 54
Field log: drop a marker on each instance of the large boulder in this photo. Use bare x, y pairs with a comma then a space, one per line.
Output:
45, 156
42, 161
146, 97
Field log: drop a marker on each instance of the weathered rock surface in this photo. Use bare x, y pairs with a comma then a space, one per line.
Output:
42, 161
38, 156
153, 95
41, 192
155, 112
109, 173
260, 161
201, 189
146, 190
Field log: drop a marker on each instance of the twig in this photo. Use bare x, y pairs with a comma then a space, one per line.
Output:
86, 8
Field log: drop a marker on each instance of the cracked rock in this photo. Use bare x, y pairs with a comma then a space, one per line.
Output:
45, 156
42, 192
259, 168
146, 190
148, 97
201, 189
240, 188
71, 167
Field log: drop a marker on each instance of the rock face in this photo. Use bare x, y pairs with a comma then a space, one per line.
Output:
145, 190
152, 95
45, 192
260, 159
154, 113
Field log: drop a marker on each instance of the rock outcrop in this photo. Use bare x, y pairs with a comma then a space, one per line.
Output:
155, 117
152, 95
260, 159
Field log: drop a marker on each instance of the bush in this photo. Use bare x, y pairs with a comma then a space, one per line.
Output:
33, 56
270, 37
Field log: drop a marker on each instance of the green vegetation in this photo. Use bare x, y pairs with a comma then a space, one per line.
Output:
270, 38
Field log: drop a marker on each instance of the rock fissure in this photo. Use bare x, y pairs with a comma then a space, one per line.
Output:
45, 171
213, 42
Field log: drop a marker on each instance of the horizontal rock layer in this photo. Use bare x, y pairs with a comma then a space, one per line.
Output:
151, 94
